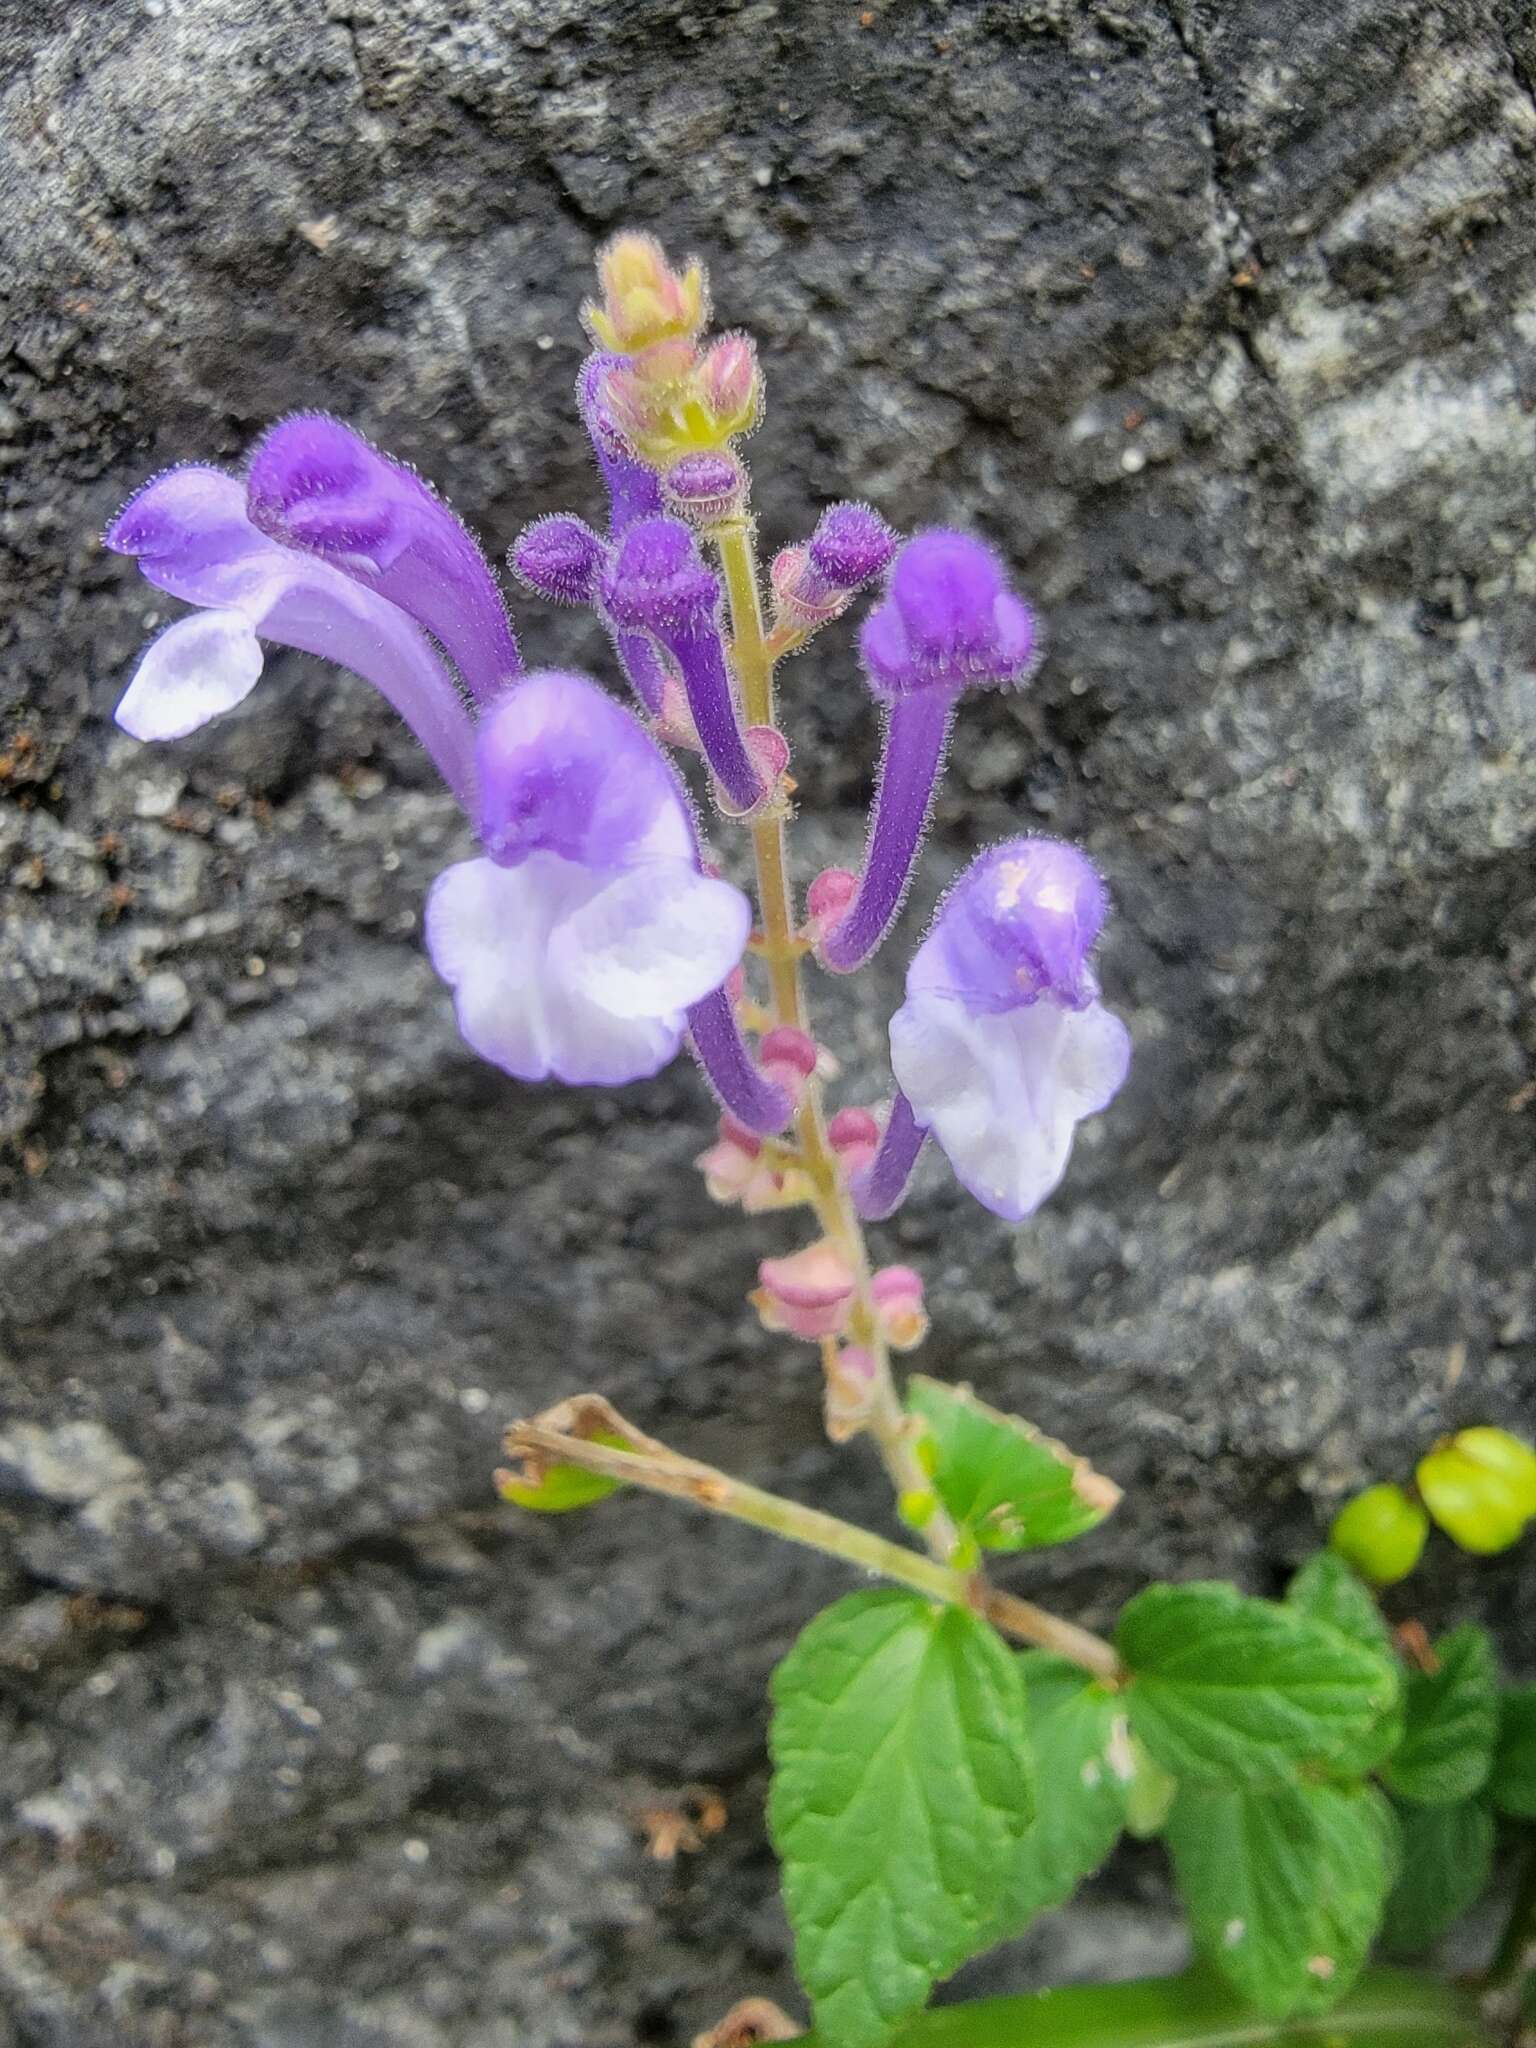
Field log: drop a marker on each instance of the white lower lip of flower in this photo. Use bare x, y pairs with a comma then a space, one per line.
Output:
1003, 1093
584, 974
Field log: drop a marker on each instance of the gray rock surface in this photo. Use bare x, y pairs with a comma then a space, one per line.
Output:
1220, 315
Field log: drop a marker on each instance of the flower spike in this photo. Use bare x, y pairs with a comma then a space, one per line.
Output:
947, 625
315, 484
658, 584
1002, 1046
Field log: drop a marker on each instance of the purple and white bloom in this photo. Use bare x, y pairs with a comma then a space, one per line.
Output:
315, 485
579, 940
948, 624
582, 938
191, 533
1002, 1046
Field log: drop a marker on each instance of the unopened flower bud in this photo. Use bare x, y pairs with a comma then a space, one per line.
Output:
788, 1056
1381, 1532
561, 558
854, 1135
898, 1297
731, 386
706, 488
808, 1294
851, 545
645, 300
1480, 1492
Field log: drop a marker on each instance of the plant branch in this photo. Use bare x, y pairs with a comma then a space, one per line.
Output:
556, 1439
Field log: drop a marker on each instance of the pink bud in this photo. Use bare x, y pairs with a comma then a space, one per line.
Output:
855, 1138
788, 1056
898, 1296
730, 377
808, 1294
827, 901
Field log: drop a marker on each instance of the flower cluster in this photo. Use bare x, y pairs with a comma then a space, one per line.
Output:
591, 934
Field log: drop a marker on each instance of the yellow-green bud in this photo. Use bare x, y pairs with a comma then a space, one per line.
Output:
1381, 1532
1482, 1505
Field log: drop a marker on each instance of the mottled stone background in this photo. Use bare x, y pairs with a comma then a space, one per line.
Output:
1220, 317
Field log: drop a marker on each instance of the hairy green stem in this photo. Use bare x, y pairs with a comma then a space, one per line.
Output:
752, 662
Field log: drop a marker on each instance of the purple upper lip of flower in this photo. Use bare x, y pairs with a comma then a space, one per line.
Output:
315, 484
948, 620
1020, 927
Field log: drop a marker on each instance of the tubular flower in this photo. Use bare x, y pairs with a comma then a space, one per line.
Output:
579, 941
314, 484
191, 533
1003, 1046
658, 584
947, 625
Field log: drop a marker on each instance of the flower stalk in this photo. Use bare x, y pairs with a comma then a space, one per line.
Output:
782, 951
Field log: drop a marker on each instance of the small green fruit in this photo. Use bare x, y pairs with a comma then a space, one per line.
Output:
1500, 1452
1479, 1506
1382, 1533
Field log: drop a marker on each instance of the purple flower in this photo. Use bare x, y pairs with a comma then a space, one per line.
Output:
948, 624
1002, 1046
191, 535
658, 583
577, 944
316, 485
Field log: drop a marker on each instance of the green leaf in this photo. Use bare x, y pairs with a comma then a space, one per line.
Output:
1150, 1795
1514, 1769
1233, 1690
1285, 1885
1447, 1860
1082, 1764
1001, 1480
1328, 1590
901, 1792
1452, 1723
